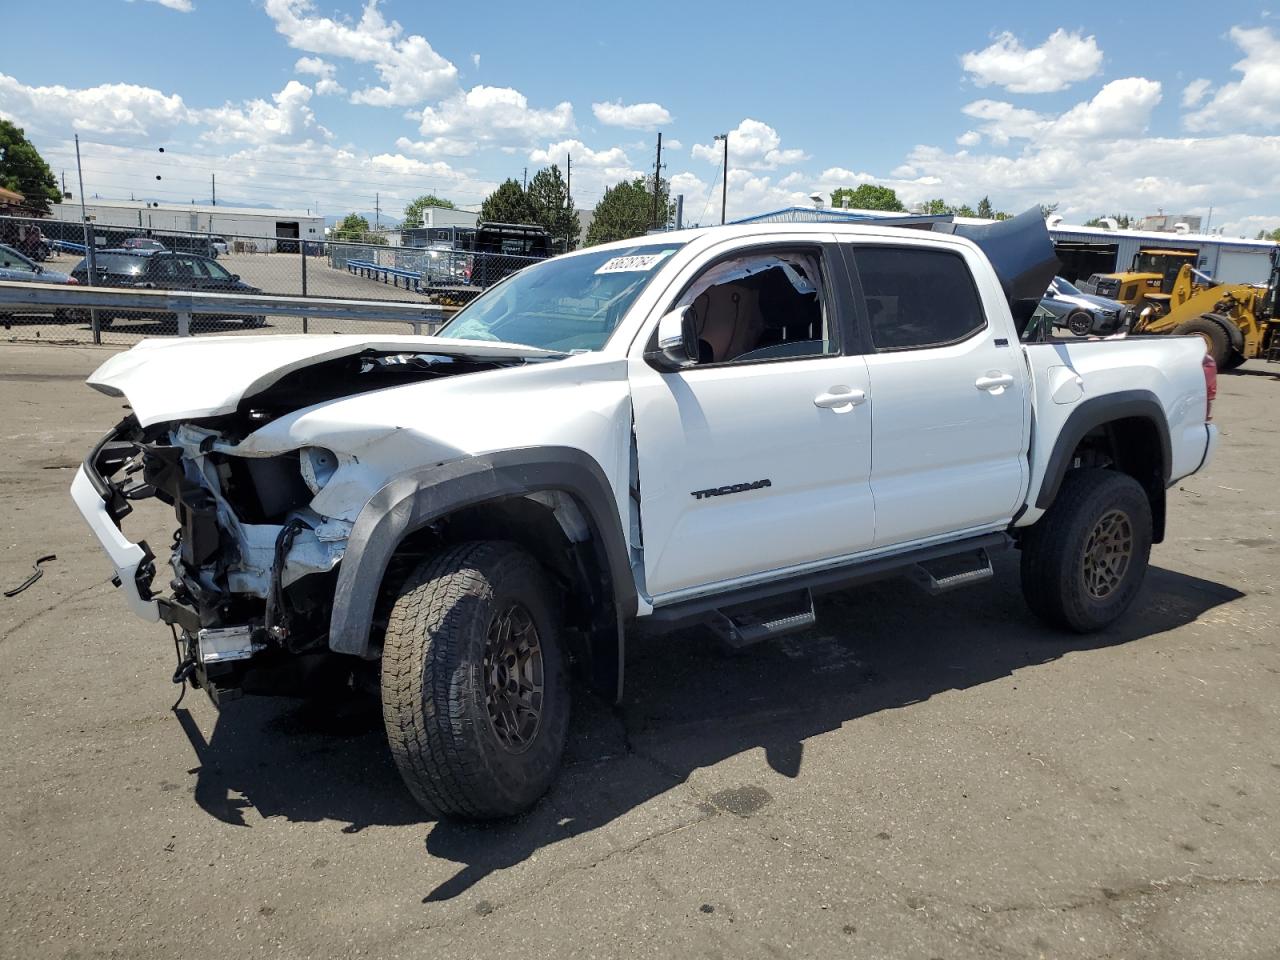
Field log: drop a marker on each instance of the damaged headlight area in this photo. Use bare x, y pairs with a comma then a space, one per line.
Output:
253, 564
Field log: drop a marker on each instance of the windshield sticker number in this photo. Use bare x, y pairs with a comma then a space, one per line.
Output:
640, 263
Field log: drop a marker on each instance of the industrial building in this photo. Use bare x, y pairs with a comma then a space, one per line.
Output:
271, 229
1086, 250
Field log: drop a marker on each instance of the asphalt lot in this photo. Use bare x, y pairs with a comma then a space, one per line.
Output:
917, 777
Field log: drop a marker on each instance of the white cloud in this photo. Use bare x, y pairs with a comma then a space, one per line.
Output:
593, 170
752, 144
410, 70
326, 84
671, 143
1252, 102
288, 118
110, 109
635, 116
484, 116
1194, 92
182, 6
1121, 108
1002, 121
970, 138
1063, 59
475, 60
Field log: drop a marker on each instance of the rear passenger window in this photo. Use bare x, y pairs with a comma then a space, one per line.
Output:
917, 298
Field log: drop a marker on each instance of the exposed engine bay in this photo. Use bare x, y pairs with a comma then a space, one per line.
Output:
252, 562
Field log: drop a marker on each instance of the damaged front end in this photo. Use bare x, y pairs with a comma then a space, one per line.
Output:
252, 564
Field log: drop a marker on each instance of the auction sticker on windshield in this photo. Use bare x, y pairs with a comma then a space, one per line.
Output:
639, 263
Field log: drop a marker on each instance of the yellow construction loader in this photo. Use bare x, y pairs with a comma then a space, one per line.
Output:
1238, 321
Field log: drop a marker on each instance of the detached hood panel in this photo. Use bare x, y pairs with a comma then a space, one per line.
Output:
184, 379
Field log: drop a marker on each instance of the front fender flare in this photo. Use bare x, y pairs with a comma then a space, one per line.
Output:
412, 500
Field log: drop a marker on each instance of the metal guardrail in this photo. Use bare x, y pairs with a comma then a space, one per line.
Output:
183, 303
393, 275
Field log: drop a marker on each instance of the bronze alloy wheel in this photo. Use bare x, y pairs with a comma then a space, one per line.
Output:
1107, 553
513, 678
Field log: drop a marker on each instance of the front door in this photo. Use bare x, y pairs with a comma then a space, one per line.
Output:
950, 396
756, 459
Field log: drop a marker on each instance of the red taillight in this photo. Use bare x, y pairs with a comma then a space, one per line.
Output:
1210, 368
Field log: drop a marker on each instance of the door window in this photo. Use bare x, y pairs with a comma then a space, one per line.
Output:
917, 297
761, 306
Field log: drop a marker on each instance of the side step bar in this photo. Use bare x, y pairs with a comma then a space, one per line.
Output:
742, 627
951, 573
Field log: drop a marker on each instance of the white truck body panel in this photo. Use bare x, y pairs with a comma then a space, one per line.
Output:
940, 444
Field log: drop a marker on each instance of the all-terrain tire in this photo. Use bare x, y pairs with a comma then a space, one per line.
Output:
1062, 552
1217, 343
1080, 323
456, 760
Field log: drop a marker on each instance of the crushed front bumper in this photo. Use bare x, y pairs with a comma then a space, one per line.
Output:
102, 505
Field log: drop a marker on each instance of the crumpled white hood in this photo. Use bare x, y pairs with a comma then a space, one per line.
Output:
182, 379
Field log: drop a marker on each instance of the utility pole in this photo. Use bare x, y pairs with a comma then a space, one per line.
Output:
213, 187
679, 211
88, 246
657, 182
526, 178
377, 211
724, 189
568, 180
64, 183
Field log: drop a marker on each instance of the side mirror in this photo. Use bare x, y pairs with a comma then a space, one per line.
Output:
235, 276
677, 341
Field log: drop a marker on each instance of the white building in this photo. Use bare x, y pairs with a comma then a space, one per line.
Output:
261, 224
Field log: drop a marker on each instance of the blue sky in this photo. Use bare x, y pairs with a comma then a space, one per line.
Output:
1100, 107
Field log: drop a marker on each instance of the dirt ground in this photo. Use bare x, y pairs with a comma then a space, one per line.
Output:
917, 777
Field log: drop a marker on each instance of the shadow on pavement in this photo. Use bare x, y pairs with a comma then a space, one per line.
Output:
688, 705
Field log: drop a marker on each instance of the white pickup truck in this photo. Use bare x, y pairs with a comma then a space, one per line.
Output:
703, 426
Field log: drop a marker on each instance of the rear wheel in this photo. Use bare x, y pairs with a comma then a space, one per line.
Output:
1216, 343
1080, 323
475, 698
1084, 561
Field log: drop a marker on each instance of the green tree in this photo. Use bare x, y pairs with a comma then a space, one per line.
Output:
508, 204
1264, 235
355, 228
553, 208
1123, 220
984, 209
24, 170
867, 196
964, 210
1048, 209
626, 210
935, 208
413, 210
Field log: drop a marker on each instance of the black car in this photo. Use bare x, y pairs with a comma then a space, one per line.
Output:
161, 270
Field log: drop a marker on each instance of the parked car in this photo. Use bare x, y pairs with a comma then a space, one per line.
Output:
219, 245
16, 266
161, 270
705, 426
142, 243
1083, 313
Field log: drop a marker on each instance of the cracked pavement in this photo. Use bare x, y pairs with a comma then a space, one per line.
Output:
915, 777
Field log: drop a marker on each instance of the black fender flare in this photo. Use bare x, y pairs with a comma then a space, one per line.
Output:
1092, 413
416, 498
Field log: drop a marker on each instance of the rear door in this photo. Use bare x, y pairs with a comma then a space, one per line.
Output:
948, 394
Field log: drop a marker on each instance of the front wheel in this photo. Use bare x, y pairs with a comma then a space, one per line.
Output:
1214, 335
1084, 561
475, 697
1080, 323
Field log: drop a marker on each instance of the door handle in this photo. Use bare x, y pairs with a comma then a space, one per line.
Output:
844, 398
996, 381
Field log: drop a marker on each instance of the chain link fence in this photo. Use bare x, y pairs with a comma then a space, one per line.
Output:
52, 250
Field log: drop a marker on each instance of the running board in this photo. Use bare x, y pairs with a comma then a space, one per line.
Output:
952, 573
741, 627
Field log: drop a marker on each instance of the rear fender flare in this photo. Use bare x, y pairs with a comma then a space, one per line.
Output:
1093, 413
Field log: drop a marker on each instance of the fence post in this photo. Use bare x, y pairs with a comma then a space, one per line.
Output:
303, 247
184, 323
